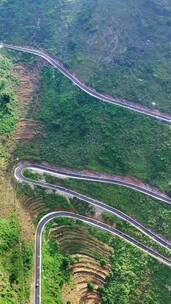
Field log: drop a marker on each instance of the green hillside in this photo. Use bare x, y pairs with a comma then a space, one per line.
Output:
119, 47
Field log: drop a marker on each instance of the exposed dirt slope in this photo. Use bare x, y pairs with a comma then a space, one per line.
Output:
28, 94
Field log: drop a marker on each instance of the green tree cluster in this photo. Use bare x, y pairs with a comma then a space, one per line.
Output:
135, 278
9, 107
15, 263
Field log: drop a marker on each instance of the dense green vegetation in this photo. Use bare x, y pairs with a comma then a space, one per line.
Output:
134, 277
8, 106
128, 59
29, 174
15, 263
55, 271
8, 99
81, 132
15, 252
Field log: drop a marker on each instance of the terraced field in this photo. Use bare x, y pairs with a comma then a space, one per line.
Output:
35, 206
90, 267
90, 257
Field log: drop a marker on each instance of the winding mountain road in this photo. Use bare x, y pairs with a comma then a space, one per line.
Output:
19, 175
99, 178
117, 181
51, 216
100, 96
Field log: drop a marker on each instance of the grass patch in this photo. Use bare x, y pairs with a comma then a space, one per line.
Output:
15, 264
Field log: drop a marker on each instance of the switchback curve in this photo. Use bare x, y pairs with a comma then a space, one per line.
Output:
154, 236
51, 216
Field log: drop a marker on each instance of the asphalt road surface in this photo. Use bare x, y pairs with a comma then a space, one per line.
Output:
20, 177
49, 217
114, 180
38, 254
100, 96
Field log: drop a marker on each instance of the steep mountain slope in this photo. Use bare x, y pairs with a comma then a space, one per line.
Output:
127, 42
123, 48
15, 251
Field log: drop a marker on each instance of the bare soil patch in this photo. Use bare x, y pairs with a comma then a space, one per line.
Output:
27, 92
